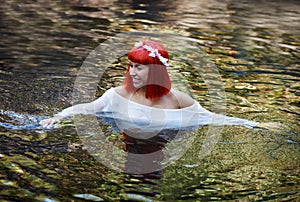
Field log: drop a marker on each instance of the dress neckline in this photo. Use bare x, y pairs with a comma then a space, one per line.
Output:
149, 107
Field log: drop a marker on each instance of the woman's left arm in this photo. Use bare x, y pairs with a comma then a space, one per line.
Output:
206, 117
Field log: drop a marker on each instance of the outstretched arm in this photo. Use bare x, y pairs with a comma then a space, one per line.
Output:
206, 117
85, 108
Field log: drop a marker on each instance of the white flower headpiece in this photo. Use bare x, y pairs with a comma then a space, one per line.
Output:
154, 53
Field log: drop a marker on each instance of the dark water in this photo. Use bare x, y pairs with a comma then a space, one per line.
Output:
253, 44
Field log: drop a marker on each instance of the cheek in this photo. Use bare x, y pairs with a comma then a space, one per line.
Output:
145, 75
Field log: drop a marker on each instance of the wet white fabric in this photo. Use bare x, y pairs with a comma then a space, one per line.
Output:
129, 114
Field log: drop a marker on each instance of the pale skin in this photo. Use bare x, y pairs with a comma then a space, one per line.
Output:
139, 74
173, 100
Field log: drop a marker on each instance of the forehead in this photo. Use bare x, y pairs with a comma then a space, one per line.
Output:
134, 63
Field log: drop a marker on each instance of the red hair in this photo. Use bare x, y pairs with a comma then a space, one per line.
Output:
158, 83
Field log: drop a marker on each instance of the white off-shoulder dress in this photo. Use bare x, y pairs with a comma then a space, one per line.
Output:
129, 114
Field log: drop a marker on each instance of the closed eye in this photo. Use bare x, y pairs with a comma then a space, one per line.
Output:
137, 66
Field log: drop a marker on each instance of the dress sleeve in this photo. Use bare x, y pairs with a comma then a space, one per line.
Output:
101, 104
206, 117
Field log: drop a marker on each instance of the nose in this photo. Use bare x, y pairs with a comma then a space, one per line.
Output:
132, 71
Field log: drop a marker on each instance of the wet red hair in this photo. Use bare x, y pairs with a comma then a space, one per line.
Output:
159, 83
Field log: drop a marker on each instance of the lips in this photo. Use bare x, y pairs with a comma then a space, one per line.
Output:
135, 80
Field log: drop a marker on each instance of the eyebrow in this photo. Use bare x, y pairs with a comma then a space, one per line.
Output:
137, 64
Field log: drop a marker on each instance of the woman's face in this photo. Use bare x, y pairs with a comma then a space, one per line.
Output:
139, 74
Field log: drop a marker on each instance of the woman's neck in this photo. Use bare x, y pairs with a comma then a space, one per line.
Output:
141, 92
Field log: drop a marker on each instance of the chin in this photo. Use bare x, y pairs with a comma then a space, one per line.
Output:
137, 85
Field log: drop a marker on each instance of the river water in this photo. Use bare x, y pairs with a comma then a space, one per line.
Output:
253, 45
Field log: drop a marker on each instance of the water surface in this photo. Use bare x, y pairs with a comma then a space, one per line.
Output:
253, 44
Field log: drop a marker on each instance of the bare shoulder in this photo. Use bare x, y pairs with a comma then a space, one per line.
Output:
121, 91
184, 99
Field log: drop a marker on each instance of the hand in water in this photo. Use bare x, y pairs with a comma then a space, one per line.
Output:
48, 123
273, 126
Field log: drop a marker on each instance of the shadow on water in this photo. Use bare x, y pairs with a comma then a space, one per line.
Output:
255, 46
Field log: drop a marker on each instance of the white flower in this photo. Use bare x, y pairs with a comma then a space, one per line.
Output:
138, 44
154, 53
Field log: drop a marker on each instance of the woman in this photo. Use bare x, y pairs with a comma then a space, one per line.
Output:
147, 95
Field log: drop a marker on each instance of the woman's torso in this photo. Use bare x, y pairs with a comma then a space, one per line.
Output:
149, 116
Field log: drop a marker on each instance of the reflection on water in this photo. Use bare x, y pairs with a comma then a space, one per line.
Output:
254, 44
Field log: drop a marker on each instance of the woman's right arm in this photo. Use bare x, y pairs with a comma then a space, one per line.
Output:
84, 108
